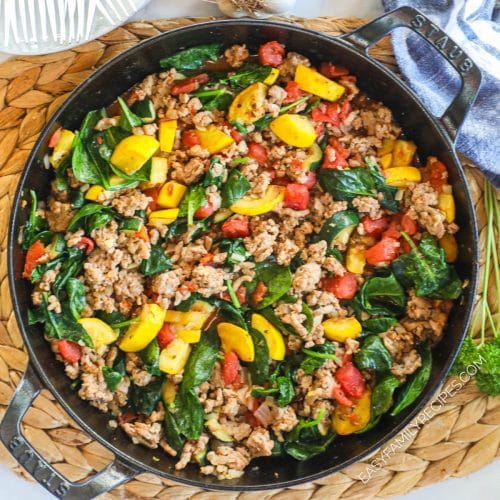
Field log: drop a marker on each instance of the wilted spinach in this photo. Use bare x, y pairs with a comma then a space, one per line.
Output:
157, 262
236, 252
215, 174
378, 325
280, 385
316, 356
234, 188
277, 279
71, 266
425, 269
150, 357
189, 414
193, 57
76, 297
347, 184
373, 355
219, 98
144, 398
382, 296
128, 119
416, 383
202, 360
82, 217
173, 431
389, 192
35, 226
111, 377
259, 367
247, 75
194, 198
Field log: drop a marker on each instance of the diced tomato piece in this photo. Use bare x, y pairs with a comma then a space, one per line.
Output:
328, 113
153, 194
310, 181
409, 225
165, 335
207, 259
293, 92
340, 396
204, 211
319, 128
271, 54
383, 251
343, 287
331, 71
374, 227
351, 380
86, 244
438, 174
189, 84
127, 417
189, 138
258, 152
33, 255
54, 138
296, 196
142, 233
70, 351
331, 159
259, 293
236, 134
236, 228
241, 295
393, 231
345, 109
231, 367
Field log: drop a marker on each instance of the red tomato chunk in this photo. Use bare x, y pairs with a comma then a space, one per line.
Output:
271, 54
70, 351
351, 380
296, 196
383, 251
231, 367
343, 287
236, 228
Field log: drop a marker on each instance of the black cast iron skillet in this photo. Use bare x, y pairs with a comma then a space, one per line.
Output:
434, 136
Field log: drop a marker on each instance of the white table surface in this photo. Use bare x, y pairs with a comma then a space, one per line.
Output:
485, 482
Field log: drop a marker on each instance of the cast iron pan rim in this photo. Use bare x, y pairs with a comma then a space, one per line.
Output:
429, 391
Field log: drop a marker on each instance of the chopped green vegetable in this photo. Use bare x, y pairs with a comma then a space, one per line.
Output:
234, 188
192, 58
373, 355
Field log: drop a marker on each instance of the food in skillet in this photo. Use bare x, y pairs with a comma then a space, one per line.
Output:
241, 257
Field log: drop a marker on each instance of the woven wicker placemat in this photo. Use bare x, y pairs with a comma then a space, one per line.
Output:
454, 438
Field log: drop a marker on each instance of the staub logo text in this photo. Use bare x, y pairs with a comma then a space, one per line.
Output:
28, 459
443, 43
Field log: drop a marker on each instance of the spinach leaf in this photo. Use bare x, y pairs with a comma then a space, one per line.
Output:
280, 385
76, 297
235, 249
389, 192
201, 362
305, 440
84, 166
247, 75
172, 431
61, 326
194, 198
425, 269
338, 227
88, 210
309, 321
347, 184
35, 224
382, 395
150, 357
128, 119
378, 325
416, 383
71, 266
145, 109
144, 398
316, 356
157, 263
373, 355
259, 367
234, 188
193, 57
219, 98
278, 280
382, 296
41, 269
269, 314
189, 414
111, 377
215, 174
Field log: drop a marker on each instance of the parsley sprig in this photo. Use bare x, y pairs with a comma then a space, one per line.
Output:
485, 354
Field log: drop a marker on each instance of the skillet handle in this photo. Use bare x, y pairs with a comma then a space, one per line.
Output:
408, 17
42, 471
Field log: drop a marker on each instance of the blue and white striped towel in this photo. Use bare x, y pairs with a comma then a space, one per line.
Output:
474, 26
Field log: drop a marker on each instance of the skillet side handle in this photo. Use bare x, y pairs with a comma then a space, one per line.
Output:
408, 17
42, 471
